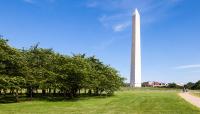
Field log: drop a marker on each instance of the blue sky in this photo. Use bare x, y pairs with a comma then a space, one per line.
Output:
170, 32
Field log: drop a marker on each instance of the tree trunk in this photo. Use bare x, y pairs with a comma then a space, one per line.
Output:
65, 94
21, 91
71, 95
31, 94
37, 90
49, 90
85, 91
54, 92
97, 91
89, 92
43, 92
74, 92
17, 95
4, 90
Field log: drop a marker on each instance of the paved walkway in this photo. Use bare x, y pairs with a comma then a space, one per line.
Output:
191, 99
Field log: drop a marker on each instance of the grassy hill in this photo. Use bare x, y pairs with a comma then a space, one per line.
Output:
126, 101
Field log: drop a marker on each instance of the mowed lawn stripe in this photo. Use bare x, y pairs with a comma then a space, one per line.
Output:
123, 102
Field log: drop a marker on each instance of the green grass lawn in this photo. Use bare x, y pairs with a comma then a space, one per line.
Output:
138, 101
196, 93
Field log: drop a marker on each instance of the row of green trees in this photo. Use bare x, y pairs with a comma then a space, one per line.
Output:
194, 86
174, 85
42, 69
189, 85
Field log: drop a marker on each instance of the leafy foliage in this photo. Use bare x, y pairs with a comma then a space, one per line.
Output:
42, 69
196, 85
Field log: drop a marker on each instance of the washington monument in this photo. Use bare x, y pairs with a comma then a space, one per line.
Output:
135, 75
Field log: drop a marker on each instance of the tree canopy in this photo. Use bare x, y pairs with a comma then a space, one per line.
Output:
43, 69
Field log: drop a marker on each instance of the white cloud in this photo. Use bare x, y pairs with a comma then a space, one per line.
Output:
117, 11
187, 66
120, 27
116, 14
115, 21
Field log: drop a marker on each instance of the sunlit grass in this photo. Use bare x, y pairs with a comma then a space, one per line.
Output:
127, 101
195, 93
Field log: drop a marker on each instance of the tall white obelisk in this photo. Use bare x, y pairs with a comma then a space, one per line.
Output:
135, 76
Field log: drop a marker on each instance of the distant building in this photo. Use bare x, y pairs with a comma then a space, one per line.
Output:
154, 84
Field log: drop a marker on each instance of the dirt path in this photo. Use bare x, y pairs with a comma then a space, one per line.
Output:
191, 99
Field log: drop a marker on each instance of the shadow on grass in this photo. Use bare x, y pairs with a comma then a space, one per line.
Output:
22, 98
